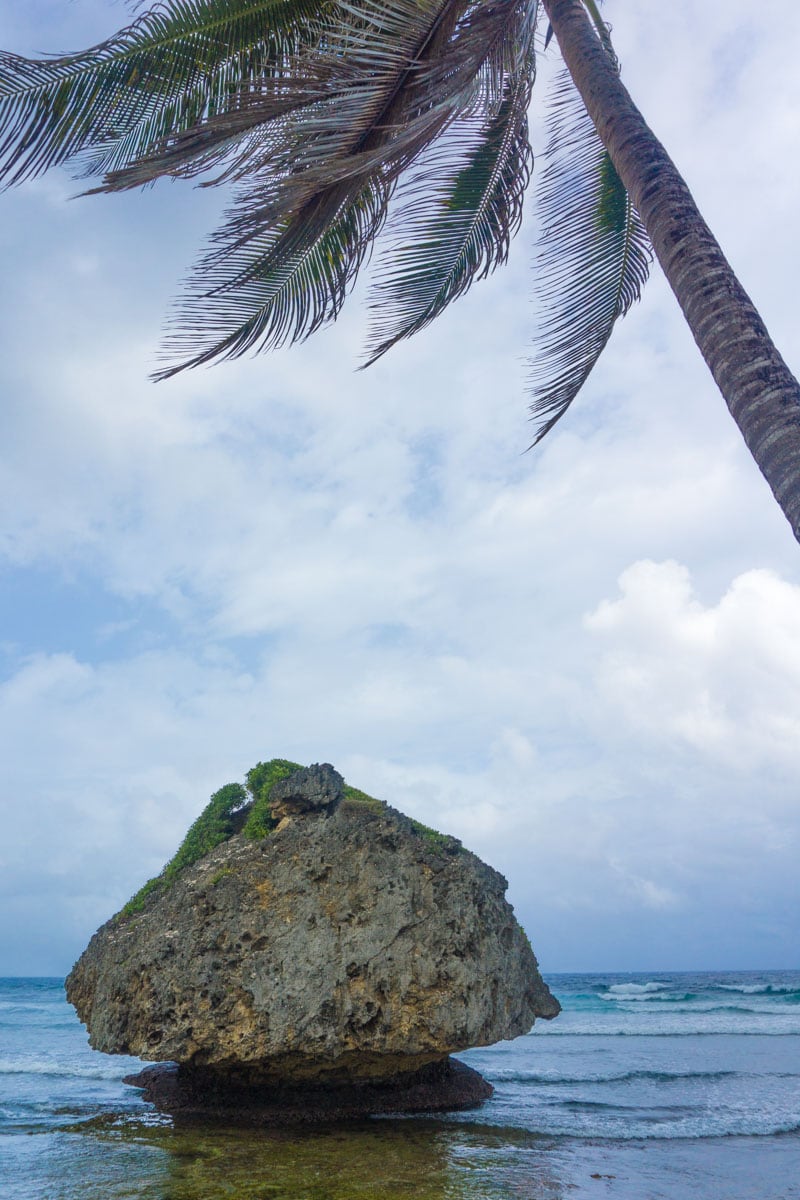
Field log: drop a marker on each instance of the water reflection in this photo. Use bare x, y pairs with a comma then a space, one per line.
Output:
377, 1160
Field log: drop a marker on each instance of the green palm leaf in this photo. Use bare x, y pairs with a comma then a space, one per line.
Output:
466, 205
177, 63
377, 68
298, 280
287, 254
312, 112
594, 257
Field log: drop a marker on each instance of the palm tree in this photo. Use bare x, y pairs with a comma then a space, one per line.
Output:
336, 121
762, 395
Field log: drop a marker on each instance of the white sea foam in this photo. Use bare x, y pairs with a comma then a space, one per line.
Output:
635, 991
510, 1075
658, 1079
24, 1006
24, 1065
758, 989
671, 1021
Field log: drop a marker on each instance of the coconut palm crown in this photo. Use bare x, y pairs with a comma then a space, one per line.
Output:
334, 122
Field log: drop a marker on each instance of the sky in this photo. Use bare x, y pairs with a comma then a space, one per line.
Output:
582, 660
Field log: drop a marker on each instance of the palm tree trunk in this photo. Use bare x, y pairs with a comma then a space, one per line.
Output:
761, 393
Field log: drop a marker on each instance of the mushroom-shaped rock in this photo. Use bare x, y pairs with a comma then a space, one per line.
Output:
347, 950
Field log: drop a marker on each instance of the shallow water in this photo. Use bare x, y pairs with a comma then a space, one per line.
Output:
654, 1088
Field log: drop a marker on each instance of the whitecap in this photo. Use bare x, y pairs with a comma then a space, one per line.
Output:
42, 1066
758, 989
634, 991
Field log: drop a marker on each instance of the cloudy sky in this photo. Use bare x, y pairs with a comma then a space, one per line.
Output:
584, 660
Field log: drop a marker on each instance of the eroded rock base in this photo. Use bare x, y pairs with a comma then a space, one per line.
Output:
192, 1096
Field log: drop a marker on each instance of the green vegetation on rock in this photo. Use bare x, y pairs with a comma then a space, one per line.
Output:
214, 825
136, 903
223, 873
218, 822
261, 779
230, 811
436, 840
361, 799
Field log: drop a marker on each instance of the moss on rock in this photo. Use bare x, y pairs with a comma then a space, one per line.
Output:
436, 840
261, 779
360, 799
235, 809
214, 825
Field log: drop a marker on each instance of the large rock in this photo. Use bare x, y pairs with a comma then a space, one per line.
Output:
316, 789
351, 945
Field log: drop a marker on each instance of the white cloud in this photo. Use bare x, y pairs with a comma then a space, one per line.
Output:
312, 562
724, 678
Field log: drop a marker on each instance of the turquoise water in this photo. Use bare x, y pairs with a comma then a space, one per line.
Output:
661, 1086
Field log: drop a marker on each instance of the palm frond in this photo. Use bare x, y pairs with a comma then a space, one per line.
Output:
315, 109
593, 257
326, 97
325, 179
178, 62
466, 200
298, 280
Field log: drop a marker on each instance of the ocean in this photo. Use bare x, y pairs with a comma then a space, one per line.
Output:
663, 1086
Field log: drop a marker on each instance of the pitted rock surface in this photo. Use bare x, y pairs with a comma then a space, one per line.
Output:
344, 947
316, 789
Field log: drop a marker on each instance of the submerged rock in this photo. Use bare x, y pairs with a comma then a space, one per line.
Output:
349, 948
